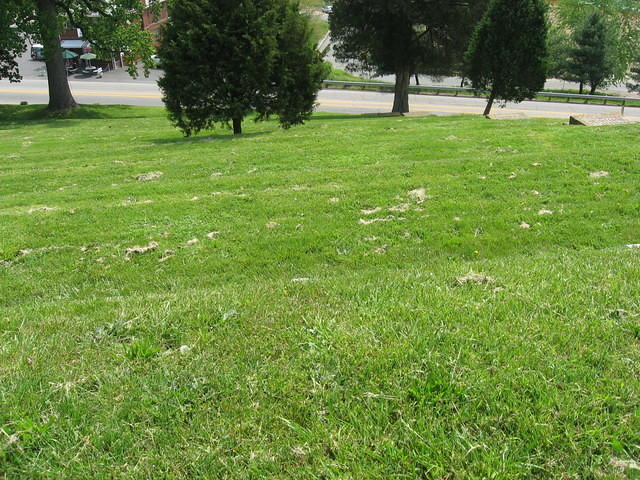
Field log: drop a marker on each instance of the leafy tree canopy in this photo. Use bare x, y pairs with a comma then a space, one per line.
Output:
402, 37
621, 18
559, 44
12, 42
112, 27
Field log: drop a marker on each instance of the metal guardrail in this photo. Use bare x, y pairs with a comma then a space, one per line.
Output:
456, 90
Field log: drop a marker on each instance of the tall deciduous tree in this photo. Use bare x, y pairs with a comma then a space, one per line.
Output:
508, 52
112, 26
224, 59
402, 37
590, 60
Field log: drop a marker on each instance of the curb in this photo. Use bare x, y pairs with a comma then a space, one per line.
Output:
324, 43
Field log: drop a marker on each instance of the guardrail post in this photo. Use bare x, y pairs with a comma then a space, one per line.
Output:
622, 109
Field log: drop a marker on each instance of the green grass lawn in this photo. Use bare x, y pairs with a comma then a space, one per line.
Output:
319, 29
314, 3
357, 298
344, 76
319, 26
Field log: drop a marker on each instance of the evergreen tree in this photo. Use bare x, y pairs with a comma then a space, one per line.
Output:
298, 69
508, 51
224, 59
589, 60
402, 37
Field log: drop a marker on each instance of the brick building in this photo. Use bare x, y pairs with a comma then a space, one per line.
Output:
152, 22
72, 39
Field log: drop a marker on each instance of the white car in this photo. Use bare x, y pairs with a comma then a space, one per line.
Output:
327, 9
156, 61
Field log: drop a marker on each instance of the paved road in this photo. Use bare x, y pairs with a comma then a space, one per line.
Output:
144, 93
35, 70
116, 87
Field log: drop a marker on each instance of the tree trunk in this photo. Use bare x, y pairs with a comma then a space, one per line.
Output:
487, 109
581, 85
417, 79
401, 93
593, 89
237, 126
60, 98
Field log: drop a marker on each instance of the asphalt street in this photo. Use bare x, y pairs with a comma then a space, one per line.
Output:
118, 88
146, 93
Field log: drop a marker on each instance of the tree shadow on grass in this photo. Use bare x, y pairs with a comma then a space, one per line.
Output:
229, 136
206, 139
13, 116
318, 117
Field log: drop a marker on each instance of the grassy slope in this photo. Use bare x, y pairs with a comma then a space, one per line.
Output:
320, 28
378, 366
337, 74
313, 3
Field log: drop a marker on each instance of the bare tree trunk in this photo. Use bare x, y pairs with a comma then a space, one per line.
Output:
401, 93
581, 86
60, 98
237, 126
487, 109
417, 79
593, 89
